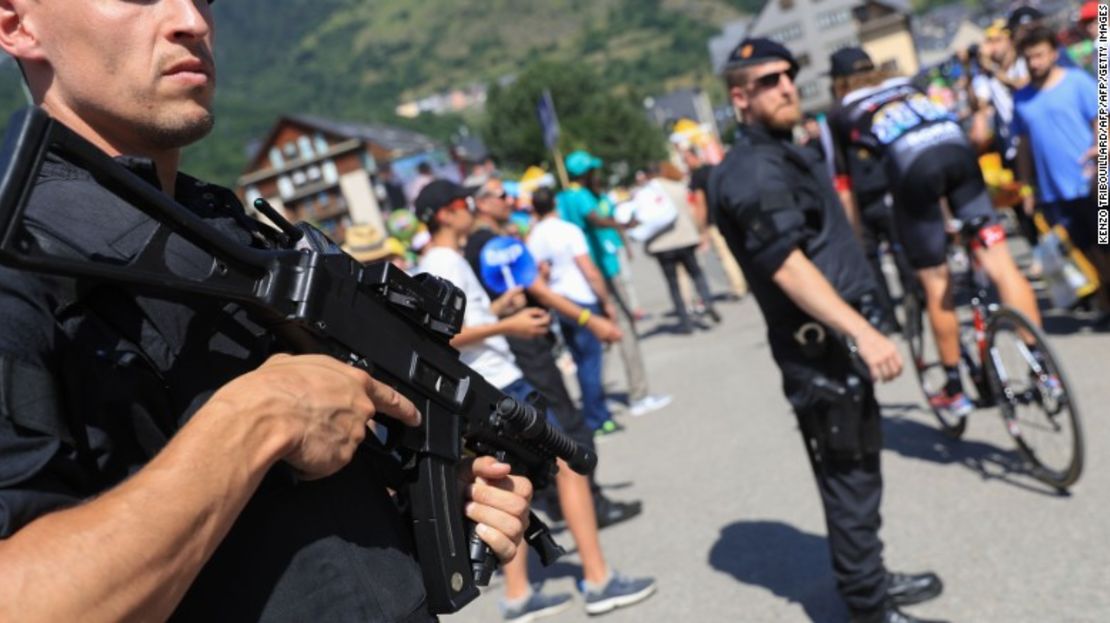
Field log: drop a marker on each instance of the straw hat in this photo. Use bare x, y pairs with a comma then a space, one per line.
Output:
367, 243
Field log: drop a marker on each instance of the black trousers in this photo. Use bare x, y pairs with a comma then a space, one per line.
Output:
850, 485
669, 261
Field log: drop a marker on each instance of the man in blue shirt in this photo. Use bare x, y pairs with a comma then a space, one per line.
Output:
1054, 117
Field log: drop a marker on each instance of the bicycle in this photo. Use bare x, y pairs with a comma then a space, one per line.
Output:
1006, 362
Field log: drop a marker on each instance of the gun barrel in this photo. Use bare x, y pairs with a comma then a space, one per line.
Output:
533, 426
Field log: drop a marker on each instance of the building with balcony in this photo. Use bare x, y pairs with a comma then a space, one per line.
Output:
325, 172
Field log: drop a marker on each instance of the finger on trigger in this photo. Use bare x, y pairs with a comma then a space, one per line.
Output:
390, 402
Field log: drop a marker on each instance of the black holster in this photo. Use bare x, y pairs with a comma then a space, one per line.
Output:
838, 401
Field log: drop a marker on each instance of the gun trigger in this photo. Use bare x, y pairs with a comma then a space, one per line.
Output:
539, 538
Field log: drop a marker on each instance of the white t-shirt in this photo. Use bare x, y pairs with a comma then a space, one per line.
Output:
491, 357
557, 242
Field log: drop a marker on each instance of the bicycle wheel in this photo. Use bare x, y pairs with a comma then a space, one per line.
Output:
926, 361
1033, 394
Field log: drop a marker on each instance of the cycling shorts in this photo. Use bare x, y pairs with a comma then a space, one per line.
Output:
946, 172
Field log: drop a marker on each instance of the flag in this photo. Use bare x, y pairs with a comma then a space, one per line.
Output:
549, 122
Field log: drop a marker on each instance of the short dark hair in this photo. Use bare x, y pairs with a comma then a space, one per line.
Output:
424, 167
736, 77
543, 201
1037, 36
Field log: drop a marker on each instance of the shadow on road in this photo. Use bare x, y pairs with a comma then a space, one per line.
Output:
790, 563
915, 440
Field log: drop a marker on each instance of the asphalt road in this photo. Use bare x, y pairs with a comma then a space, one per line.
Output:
733, 529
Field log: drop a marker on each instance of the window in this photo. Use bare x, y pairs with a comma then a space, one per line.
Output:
331, 173
299, 178
809, 90
290, 150
276, 161
285, 187
320, 143
828, 19
314, 173
786, 33
304, 146
251, 194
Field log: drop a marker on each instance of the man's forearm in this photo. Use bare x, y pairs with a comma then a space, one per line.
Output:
808, 288
474, 334
549, 298
131, 553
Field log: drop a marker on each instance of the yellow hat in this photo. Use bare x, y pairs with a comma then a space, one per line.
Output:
367, 243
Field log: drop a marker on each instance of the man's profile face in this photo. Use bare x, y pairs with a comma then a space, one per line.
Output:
1040, 58
493, 202
137, 72
775, 106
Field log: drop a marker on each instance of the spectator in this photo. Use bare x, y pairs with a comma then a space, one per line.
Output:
675, 246
564, 258
580, 205
1054, 117
707, 222
447, 209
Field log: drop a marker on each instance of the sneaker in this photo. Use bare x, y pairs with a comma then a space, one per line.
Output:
608, 428
618, 592
649, 403
951, 406
535, 606
610, 512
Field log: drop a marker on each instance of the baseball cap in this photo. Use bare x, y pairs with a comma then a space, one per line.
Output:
848, 61
579, 162
1022, 16
438, 194
1089, 11
755, 51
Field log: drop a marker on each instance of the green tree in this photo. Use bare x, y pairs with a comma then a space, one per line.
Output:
612, 127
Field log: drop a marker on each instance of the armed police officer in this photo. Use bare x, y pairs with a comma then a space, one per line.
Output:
777, 209
157, 458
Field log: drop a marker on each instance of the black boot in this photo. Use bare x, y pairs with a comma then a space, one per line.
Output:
906, 589
889, 613
611, 512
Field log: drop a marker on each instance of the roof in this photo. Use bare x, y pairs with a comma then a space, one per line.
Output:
394, 139
398, 141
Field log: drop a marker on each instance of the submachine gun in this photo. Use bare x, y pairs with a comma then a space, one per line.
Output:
317, 299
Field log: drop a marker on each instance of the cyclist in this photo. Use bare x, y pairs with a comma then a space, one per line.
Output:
928, 160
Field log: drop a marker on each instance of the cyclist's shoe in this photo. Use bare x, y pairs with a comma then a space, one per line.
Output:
906, 589
617, 592
535, 606
607, 428
889, 613
610, 512
951, 405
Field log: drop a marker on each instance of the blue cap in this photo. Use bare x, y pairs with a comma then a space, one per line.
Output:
756, 51
579, 162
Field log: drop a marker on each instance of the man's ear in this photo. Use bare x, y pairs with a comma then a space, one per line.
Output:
17, 36
739, 98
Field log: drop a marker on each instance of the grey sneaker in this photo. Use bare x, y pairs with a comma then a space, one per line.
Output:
647, 404
618, 592
535, 606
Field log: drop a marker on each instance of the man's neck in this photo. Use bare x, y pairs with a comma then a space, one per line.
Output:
447, 239
165, 161
1051, 79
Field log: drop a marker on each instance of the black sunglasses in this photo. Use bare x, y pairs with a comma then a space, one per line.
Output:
769, 81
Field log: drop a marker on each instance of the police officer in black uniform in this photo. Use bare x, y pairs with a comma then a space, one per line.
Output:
157, 458
784, 223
